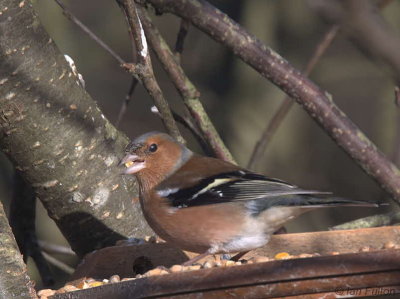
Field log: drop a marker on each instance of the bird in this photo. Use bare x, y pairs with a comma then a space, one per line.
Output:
209, 206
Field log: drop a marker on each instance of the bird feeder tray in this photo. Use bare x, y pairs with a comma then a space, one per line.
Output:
366, 262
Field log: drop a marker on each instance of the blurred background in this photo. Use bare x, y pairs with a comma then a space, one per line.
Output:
239, 101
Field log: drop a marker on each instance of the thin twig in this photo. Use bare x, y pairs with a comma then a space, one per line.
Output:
371, 221
22, 221
396, 144
143, 69
102, 44
42, 267
92, 35
287, 103
185, 87
183, 30
142, 57
125, 103
397, 96
57, 263
55, 248
362, 23
188, 124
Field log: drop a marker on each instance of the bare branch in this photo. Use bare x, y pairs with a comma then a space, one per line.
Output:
126, 101
188, 124
55, 248
269, 132
143, 69
102, 44
272, 66
183, 30
22, 221
397, 96
92, 35
287, 103
396, 143
361, 22
371, 221
57, 263
188, 92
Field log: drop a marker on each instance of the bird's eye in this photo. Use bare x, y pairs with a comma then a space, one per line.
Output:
153, 148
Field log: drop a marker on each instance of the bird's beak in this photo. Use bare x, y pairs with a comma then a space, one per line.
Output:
132, 163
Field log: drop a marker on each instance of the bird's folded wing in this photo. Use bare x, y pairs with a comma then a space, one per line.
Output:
236, 185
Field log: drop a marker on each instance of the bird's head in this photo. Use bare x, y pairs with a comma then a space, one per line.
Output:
155, 155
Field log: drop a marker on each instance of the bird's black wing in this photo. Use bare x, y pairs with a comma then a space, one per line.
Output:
234, 186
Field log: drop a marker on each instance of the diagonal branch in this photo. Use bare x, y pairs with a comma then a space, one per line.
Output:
188, 124
392, 218
287, 103
272, 66
22, 221
188, 92
396, 145
91, 34
143, 69
127, 100
183, 30
361, 22
102, 44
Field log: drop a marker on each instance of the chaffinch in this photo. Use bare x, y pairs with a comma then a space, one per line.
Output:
210, 206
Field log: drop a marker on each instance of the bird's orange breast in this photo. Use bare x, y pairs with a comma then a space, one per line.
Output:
194, 229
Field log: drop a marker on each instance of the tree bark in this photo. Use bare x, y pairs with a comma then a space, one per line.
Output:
59, 140
14, 281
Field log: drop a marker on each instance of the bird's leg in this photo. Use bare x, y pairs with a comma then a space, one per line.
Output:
281, 230
195, 259
224, 256
237, 257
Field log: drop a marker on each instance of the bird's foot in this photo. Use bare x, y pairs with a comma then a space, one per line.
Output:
238, 256
195, 259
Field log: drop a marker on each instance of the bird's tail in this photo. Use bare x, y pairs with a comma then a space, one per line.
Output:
312, 201
315, 202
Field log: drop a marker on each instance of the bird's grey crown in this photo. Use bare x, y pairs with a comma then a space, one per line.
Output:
139, 141
142, 138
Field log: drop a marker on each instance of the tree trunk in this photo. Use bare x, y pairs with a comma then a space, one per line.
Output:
14, 281
57, 137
